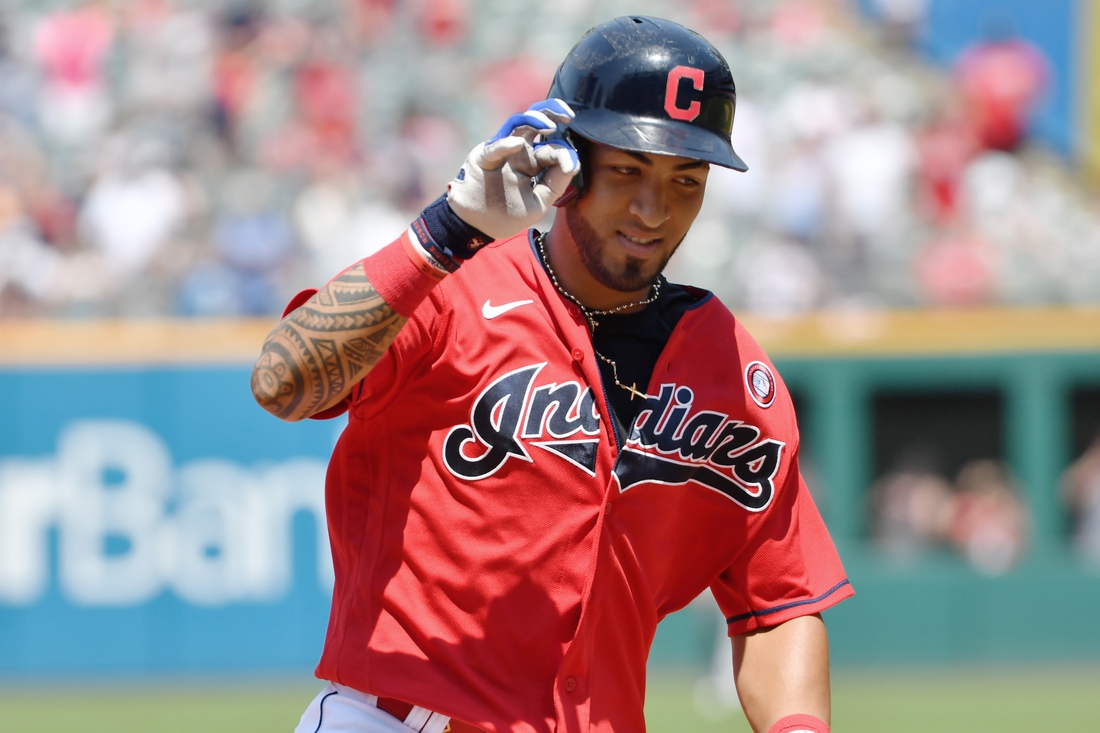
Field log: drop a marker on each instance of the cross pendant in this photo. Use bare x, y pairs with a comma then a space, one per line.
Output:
634, 391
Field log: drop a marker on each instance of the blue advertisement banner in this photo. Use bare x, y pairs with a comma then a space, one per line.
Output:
158, 519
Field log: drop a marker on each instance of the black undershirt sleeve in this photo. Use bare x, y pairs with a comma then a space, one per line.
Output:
634, 341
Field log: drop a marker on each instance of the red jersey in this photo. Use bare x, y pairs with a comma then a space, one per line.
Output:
503, 556
1002, 82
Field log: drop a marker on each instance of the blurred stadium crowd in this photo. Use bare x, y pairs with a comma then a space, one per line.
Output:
208, 158
981, 515
201, 158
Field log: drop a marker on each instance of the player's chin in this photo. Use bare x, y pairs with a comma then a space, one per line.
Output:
635, 274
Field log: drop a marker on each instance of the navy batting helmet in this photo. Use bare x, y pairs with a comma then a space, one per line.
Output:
651, 86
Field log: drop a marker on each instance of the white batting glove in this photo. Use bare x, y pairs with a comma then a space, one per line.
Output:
509, 182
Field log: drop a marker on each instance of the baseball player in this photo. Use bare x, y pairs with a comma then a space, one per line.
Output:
549, 446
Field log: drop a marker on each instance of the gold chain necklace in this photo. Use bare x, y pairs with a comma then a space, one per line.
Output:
591, 313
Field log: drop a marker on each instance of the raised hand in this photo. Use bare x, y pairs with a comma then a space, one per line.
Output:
510, 181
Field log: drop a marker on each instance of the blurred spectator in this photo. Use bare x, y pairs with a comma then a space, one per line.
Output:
799, 24
26, 264
322, 213
18, 83
945, 148
993, 186
170, 57
911, 512
426, 141
799, 195
1081, 490
1001, 79
325, 93
133, 207
871, 168
252, 242
956, 269
338, 227
981, 516
814, 112
54, 216
516, 83
32, 272
71, 48
372, 20
778, 277
235, 68
442, 22
717, 16
989, 522
903, 19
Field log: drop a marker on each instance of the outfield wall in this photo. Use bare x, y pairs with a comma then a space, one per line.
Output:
154, 519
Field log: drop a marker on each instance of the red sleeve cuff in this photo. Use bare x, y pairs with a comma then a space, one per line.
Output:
402, 283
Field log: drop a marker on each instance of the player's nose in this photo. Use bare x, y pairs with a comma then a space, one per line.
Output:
650, 205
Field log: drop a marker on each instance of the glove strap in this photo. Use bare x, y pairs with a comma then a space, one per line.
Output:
799, 724
425, 253
447, 236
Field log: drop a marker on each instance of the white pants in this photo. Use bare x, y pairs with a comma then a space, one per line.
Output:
340, 709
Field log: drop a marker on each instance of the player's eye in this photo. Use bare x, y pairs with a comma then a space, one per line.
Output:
626, 170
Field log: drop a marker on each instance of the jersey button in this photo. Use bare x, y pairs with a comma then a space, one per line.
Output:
607, 509
570, 684
578, 355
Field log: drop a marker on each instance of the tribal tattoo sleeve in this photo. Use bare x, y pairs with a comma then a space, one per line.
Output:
318, 352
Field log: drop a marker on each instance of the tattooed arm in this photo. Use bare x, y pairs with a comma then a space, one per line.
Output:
318, 352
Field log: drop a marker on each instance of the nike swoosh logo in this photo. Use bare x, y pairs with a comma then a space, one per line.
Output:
492, 311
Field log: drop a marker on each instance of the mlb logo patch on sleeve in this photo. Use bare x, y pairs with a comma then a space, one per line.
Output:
761, 383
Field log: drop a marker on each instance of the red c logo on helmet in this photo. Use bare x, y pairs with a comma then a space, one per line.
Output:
689, 113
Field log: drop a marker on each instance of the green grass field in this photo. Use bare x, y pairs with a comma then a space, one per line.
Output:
971, 701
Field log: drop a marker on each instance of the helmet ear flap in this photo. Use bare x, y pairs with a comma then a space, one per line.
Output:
578, 187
